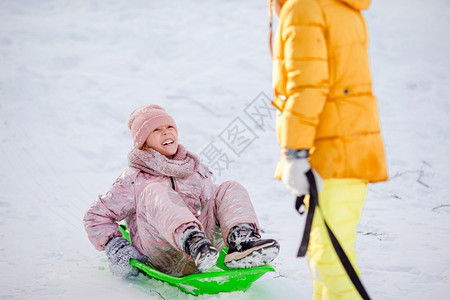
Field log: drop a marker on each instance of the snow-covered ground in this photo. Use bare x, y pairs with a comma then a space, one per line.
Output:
72, 71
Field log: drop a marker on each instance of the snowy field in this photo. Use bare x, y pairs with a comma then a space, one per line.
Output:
72, 71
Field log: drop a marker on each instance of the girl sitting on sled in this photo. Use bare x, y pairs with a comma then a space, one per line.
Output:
176, 216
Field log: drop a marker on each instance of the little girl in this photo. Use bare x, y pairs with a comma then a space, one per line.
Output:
176, 216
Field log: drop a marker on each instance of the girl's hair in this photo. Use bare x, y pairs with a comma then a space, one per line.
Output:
270, 2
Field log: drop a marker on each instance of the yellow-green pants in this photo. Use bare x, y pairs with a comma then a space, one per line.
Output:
341, 204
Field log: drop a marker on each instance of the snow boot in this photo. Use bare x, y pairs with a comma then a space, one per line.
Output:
247, 249
196, 244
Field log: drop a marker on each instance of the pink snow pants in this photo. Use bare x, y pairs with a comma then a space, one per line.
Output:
163, 215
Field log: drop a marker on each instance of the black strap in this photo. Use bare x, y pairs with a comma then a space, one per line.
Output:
313, 202
172, 182
300, 207
347, 264
309, 218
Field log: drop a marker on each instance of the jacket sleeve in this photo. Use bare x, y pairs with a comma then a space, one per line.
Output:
304, 52
100, 221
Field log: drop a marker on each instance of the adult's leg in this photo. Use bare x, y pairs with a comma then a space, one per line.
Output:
340, 204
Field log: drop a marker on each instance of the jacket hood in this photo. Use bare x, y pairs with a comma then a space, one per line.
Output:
357, 4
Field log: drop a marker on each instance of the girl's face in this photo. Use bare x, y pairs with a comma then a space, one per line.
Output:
164, 139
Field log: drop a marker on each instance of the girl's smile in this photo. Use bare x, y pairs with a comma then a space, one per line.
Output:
164, 139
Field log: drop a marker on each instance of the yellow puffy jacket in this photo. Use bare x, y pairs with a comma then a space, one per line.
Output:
323, 90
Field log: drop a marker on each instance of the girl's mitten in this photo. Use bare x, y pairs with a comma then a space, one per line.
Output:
119, 252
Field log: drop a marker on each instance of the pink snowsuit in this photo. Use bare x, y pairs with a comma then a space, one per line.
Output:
159, 198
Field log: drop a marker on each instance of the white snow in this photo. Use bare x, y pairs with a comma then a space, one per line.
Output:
71, 72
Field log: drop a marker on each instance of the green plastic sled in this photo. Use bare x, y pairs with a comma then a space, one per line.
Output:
225, 280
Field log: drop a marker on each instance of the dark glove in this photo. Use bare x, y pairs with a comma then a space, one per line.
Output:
119, 252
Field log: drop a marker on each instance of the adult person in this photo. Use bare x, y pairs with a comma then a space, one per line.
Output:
328, 122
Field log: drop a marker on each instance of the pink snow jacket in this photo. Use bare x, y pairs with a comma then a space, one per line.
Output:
190, 178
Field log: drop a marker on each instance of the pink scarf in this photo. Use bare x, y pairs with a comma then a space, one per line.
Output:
150, 161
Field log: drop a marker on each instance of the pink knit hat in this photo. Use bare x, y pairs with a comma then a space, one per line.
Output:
145, 119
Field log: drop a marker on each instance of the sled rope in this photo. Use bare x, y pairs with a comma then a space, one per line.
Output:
313, 202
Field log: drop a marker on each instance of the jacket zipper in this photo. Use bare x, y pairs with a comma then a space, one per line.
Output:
173, 182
